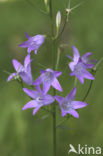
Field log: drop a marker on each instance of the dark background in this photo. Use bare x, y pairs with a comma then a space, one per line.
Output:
20, 133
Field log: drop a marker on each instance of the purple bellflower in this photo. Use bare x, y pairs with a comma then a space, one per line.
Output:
69, 105
79, 65
48, 78
39, 99
23, 71
33, 43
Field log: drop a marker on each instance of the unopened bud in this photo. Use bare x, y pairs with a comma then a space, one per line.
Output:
58, 19
46, 2
46, 5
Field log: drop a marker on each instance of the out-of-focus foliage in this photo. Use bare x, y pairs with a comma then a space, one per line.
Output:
20, 132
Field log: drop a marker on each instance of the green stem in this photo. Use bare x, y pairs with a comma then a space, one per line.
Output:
54, 92
88, 91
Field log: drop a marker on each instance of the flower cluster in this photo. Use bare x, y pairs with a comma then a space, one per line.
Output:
40, 97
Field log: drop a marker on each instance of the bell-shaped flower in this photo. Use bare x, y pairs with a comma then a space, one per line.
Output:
48, 78
69, 105
79, 65
33, 43
22, 71
39, 99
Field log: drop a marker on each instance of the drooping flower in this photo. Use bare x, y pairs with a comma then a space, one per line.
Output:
79, 65
48, 78
69, 105
39, 99
23, 71
33, 43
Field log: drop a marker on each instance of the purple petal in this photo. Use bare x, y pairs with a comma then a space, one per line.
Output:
27, 64
23, 45
30, 104
38, 88
27, 60
69, 57
63, 113
33, 94
17, 65
57, 73
37, 81
87, 75
35, 51
57, 85
76, 54
71, 74
78, 104
11, 76
48, 99
73, 113
46, 87
35, 110
89, 66
42, 71
86, 55
72, 65
59, 99
26, 35
72, 94
29, 50
81, 79
26, 77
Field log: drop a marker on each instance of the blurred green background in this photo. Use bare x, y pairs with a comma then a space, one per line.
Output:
22, 134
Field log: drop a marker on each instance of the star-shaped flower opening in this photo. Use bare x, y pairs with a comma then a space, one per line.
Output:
23, 71
48, 78
69, 105
39, 99
33, 43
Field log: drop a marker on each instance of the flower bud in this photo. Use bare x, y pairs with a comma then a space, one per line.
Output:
46, 2
46, 5
58, 19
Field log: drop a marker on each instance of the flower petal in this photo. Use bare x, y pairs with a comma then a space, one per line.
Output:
72, 74
76, 54
17, 65
73, 113
37, 87
37, 81
87, 75
29, 50
57, 85
35, 110
78, 104
30, 104
69, 57
48, 99
59, 99
63, 113
11, 77
33, 94
81, 79
57, 73
26, 77
27, 60
86, 55
42, 71
26, 35
72, 65
72, 94
35, 51
46, 87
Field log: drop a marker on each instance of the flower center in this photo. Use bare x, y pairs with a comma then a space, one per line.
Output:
47, 77
66, 105
78, 68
